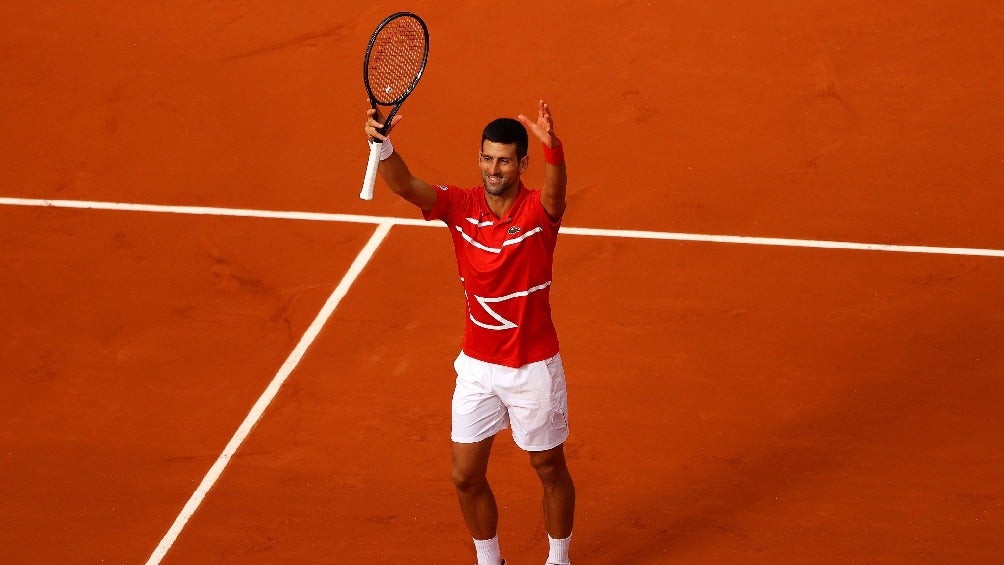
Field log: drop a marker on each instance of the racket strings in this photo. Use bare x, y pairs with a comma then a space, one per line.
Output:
396, 59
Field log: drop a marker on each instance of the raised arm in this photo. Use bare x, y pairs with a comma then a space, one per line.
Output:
395, 171
552, 194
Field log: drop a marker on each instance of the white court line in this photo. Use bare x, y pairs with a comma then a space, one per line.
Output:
383, 228
209, 211
786, 242
380, 220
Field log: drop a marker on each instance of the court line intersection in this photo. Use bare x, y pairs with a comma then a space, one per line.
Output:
383, 226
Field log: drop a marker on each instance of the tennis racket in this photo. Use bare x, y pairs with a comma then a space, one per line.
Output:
394, 62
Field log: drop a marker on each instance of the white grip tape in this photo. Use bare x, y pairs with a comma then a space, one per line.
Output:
369, 181
378, 152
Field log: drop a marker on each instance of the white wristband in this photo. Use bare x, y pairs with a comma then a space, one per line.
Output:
386, 149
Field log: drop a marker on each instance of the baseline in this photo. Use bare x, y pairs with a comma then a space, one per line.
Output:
388, 220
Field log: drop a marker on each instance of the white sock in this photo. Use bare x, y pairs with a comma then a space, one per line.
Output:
488, 551
559, 550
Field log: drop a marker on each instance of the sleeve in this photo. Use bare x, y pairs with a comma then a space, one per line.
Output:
444, 203
543, 217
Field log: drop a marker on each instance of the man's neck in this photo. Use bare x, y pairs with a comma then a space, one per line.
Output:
500, 204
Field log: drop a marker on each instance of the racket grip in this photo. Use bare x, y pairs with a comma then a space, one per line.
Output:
369, 181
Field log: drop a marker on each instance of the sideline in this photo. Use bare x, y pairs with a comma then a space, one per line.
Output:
269, 394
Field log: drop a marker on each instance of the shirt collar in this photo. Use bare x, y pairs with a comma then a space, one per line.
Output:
486, 212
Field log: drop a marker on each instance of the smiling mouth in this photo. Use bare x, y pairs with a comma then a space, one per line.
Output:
494, 185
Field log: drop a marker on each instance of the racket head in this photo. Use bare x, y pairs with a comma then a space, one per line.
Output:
395, 58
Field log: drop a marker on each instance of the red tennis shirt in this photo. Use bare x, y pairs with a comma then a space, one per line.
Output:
505, 267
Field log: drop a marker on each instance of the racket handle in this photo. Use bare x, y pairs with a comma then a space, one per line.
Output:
369, 181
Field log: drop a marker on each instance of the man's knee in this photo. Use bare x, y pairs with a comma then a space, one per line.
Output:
468, 480
550, 466
470, 465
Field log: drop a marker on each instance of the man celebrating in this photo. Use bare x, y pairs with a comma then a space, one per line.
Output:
509, 373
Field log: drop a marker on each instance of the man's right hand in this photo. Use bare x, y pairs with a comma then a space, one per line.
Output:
372, 125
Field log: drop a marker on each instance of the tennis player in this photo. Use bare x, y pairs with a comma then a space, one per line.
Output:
509, 374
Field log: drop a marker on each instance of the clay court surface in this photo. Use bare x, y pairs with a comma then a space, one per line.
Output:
742, 391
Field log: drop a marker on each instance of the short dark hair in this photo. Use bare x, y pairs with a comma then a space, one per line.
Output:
506, 131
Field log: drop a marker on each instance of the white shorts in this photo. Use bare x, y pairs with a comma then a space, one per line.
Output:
532, 399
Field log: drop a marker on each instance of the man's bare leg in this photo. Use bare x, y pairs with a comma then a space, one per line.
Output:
559, 499
477, 503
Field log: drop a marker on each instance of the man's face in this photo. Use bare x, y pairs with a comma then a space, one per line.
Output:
500, 168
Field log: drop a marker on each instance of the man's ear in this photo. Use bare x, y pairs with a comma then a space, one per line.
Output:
524, 163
